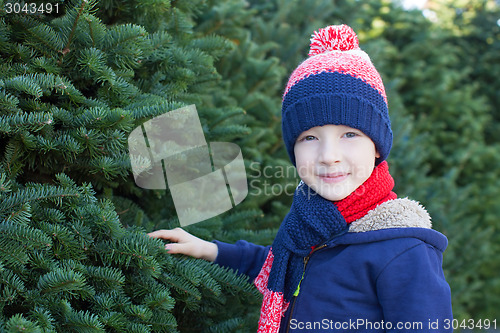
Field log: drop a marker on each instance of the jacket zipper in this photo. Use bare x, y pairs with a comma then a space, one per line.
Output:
306, 260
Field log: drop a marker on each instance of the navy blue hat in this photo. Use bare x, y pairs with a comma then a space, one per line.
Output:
337, 85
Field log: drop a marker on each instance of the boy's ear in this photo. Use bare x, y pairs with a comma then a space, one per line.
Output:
377, 154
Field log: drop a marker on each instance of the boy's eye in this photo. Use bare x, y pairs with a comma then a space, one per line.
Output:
350, 134
309, 138
306, 138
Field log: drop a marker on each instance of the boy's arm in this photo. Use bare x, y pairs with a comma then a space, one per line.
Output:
413, 292
244, 257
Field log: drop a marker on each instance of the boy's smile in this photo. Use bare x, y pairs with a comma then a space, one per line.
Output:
335, 177
334, 160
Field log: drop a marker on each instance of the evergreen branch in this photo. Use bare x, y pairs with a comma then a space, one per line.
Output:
159, 40
101, 218
8, 295
11, 162
42, 260
83, 234
226, 114
65, 87
62, 116
194, 270
72, 33
45, 80
91, 32
233, 282
106, 277
138, 328
48, 65
127, 253
28, 237
141, 112
8, 102
159, 298
43, 318
47, 36
10, 279
90, 139
111, 167
181, 285
163, 321
58, 280
141, 312
52, 215
84, 322
12, 254
4, 125
92, 60
35, 193
5, 185
228, 132
18, 323
33, 121
115, 320
42, 33
216, 45
24, 84
65, 245
228, 325
69, 147
123, 33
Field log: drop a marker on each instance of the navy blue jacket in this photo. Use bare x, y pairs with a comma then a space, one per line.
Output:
384, 275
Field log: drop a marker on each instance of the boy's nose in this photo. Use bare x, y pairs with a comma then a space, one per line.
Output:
329, 153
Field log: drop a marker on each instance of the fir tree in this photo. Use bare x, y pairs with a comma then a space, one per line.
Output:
75, 256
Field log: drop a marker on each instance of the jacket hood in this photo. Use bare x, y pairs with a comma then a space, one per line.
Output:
396, 218
398, 213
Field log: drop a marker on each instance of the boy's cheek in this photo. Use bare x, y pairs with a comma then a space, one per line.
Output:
304, 168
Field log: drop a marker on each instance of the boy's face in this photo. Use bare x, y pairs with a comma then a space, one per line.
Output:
334, 160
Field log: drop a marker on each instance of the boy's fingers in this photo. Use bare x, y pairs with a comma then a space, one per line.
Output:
179, 248
183, 242
174, 235
173, 248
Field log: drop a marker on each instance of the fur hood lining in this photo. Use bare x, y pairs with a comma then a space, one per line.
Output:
397, 213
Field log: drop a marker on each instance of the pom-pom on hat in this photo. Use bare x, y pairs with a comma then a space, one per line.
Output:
337, 85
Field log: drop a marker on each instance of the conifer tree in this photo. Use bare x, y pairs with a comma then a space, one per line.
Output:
75, 256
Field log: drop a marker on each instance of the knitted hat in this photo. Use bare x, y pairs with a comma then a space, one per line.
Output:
337, 85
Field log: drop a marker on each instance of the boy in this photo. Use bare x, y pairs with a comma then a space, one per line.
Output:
349, 256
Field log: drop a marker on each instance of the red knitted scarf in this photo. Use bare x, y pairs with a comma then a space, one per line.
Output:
374, 191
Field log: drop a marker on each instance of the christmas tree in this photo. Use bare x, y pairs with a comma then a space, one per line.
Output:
75, 255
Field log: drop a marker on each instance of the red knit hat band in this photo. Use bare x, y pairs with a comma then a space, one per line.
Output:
355, 63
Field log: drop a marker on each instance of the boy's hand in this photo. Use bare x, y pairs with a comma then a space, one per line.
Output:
185, 243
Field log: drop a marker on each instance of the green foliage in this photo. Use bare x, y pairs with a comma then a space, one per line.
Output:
445, 159
442, 99
68, 264
73, 251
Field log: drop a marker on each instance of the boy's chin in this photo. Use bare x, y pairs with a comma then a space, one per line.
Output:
331, 193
